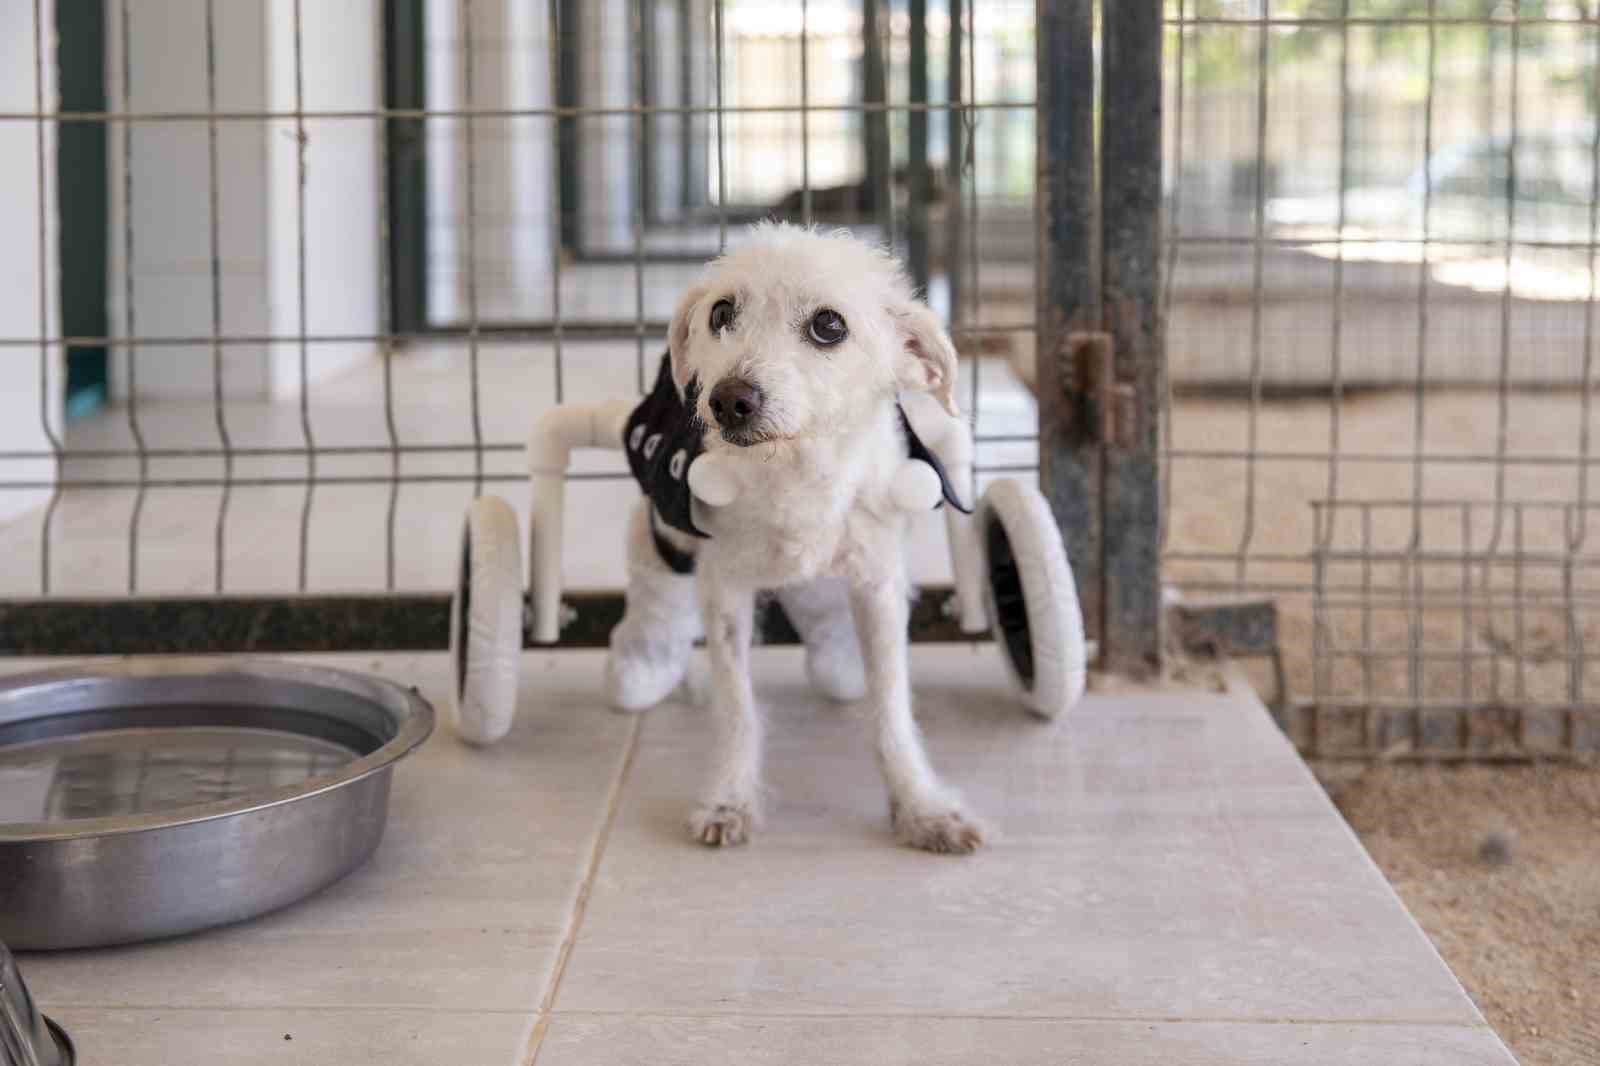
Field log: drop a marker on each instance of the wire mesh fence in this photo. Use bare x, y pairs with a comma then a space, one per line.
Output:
348, 252
352, 257
1381, 281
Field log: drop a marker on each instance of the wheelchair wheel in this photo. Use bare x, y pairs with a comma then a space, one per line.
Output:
1032, 599
486, 624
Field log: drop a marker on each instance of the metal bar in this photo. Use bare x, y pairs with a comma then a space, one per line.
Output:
1503, 421
218, 387
475, 396
1503, 424
246, 451
722, 142
879, 201
1320, 457
301, 177
647, 49
1578, 673
405, 141
559, 226
1518, 600
973, 314
1443, 656
1467, 635
686, 45
1321, 665
1553, 597
1354, 239
1257, 251
806, 216
1069, 447
1291, 22
46, 421
1369, 725
386, 291
1306, 589
954, 118
1130, 202
564, 111
641, 182
1307, 457
1577, 668
566, 20
593, 329
917, 162
294, 482
1174, 222
388, 622
1586, 395
1336, 333
129, 310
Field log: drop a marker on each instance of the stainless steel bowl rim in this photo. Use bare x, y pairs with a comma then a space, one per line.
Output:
412, 715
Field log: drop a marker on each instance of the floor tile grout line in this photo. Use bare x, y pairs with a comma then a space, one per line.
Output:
58, 1007
990, 1016
795, 1016
585, 887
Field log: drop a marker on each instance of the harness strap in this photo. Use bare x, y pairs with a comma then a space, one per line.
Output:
677, 560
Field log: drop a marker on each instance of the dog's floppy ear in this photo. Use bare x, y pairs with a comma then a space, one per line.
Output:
927, 361
678, 335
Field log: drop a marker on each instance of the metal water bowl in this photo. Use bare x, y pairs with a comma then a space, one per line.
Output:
144, 800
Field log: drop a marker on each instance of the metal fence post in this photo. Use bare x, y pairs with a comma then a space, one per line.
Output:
1100, 366
1130, 219
1069, 449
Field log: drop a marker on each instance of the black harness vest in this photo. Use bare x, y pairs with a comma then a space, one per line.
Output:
663, 436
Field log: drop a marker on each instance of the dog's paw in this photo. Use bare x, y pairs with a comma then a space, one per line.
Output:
721, 825
944, 830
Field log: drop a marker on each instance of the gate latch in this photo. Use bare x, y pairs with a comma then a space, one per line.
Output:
1092, 370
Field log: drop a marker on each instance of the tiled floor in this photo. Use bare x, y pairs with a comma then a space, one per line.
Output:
1169, 885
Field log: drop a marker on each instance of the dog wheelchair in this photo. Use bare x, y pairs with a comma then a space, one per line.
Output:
1011, 574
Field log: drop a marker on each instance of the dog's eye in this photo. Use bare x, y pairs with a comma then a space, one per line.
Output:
827, 327
722, 313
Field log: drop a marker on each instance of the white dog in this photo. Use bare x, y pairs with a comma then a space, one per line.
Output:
793, 351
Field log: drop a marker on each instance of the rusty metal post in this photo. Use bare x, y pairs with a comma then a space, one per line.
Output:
1069, 445
1130, 173
1101, 361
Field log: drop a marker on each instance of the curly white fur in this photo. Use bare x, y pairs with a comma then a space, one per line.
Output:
816, 511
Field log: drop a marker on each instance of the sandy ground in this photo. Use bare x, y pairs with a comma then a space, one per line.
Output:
1522, 934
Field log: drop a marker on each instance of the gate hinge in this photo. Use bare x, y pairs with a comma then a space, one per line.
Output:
1091, 371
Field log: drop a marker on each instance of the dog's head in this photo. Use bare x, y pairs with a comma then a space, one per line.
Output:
799, 334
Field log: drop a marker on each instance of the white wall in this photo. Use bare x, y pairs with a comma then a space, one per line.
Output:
512, 157
258, 174
340, 71
607, 160
27, 404
171, 278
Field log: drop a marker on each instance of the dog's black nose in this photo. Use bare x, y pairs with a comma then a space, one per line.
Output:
735, 403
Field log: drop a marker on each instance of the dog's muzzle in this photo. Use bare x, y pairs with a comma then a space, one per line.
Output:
736, 405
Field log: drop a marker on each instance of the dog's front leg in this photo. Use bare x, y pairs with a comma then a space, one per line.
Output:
730, 804
925, 813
